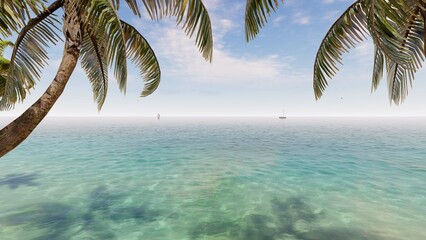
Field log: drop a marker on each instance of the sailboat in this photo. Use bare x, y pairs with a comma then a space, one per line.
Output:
158, 116
283, 116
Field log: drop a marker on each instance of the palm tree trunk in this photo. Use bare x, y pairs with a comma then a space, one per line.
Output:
18, 130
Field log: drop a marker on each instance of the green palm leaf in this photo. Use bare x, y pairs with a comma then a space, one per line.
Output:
256, 15
408, 47
14, 13
379, 61
141, 54
400, 77
3, 45
28, 58
345, 33
385, 19
10, 19
102, 18
94, 62
194, 16
2, 84
398, 80
397, 29
133, 5
4, 65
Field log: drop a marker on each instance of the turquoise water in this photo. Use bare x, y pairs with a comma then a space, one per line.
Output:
217, 178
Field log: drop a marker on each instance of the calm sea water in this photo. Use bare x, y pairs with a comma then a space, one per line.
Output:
214, 178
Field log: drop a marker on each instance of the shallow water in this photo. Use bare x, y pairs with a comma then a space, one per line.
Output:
217, 178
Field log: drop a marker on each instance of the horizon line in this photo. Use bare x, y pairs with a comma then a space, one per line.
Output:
224, 116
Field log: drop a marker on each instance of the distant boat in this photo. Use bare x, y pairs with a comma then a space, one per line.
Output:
283, 116
158, 116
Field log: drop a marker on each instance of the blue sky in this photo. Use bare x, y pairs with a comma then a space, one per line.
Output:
258, 78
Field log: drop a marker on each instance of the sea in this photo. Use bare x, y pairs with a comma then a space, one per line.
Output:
216, 179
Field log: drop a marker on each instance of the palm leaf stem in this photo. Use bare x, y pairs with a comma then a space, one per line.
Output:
97, 50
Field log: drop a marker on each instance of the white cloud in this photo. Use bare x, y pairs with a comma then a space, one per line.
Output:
278, 19
227, 24
301, 19
181, 59
213, 4
364, 49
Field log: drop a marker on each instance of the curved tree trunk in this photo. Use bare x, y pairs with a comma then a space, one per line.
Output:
18, 130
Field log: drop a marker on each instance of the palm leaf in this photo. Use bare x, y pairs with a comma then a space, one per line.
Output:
4, 63
101, 17
28, 58
345, 33
141, 54
379, 62
10, 19
398, 80
3, 45
133, 5
158, 9
386, 18
14, 14
2, 85
256, 15
194, 16
400, 76
4, 66
94, 62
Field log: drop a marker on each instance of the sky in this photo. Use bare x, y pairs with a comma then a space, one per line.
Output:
260, 78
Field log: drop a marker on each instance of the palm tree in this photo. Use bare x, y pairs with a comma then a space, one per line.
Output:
398, 31
4, 65
256, 15
94, 34
397, 28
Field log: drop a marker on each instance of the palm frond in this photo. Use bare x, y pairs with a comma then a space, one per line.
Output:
14, 14
4, 63
257, 12
386, 18
399, 79
29, 56
346, 32
10, 20
158, 9
2, 85
194, 16
4, 66
102, 17
3, 45
379, 61
400, 76
141, 54
94, 62
133, 5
